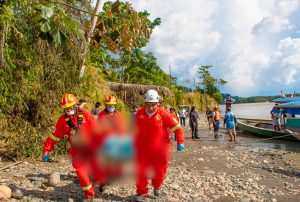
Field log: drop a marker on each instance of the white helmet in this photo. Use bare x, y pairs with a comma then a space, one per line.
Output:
151, 96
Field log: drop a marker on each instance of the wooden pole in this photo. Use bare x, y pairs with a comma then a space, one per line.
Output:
170, 75
91, 30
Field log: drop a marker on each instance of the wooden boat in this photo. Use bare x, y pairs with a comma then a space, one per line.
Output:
265, 128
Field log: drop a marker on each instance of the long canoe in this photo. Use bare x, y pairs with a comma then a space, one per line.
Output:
265, 128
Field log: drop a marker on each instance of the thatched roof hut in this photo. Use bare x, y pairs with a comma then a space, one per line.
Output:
133, 94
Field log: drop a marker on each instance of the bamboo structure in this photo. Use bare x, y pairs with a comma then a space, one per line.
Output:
133, 94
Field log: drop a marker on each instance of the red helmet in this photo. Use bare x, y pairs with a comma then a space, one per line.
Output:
68, 100
110, 100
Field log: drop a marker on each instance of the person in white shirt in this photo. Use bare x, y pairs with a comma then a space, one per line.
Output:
182, 115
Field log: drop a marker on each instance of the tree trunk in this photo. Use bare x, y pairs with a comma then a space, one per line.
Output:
86, 45
2, 43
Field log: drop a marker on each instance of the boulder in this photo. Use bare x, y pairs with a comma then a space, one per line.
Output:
5, 192
17, 194
54, 179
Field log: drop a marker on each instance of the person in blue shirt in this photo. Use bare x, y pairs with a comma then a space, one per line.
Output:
230, 122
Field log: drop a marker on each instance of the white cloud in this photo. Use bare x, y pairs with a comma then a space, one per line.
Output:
273, 24
185, 33
286, 7
283, 69
278, 21
251, 41
290, 62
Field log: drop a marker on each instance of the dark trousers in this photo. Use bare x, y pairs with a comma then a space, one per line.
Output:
216, 126
194, 127
182, 121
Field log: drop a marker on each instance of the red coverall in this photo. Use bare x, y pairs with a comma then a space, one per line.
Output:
175, 116
79, 154
152, 144
114, 124
114, 120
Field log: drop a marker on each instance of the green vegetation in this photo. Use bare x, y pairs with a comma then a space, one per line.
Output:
199, 100
41, 46
255, 99
210, 85
138, 67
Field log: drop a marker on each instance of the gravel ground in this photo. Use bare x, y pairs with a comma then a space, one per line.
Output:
208, 170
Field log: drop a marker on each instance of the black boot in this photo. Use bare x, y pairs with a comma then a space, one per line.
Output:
196, 133
102, 188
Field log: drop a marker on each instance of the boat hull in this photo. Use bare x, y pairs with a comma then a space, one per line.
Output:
249, 126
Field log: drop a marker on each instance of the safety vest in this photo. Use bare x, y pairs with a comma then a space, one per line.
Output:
79, 120
75, 138
217, 116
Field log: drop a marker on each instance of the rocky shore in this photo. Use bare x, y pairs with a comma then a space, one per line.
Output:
208, 170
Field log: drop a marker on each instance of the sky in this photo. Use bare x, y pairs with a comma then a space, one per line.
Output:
252, 44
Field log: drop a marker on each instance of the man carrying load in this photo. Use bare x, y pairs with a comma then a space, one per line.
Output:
76, 125
152, 143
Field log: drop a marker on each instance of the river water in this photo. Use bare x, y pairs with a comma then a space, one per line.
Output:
259, 111
251, 110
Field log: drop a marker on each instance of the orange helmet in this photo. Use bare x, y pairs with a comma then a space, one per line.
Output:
68, 100
110, 100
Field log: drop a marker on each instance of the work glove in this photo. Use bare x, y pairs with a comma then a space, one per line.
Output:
180, 147
45, 157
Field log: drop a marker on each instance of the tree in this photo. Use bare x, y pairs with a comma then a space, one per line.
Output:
138, 67
179, 94
210, 85
121, 29
217, 96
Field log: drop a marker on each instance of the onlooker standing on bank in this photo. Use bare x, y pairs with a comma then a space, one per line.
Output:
182, 115
276, 119
96, 110
82, 102
194, 116
133, 112
230, 122
282, 116
208, 113
216, 120
228, 101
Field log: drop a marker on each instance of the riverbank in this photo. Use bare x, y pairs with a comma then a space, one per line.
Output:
208, 170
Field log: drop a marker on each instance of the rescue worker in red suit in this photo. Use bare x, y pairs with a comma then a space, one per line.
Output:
76, 125
111, 116
175, 117
152, 143
114, 122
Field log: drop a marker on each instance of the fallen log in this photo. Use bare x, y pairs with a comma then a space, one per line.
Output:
8, 166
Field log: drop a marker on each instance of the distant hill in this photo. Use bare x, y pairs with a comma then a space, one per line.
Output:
253, 99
